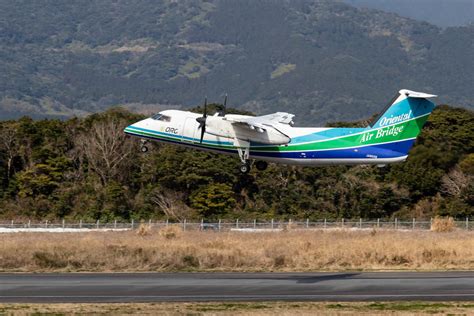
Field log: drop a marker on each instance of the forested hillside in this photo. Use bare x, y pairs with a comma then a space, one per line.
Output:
321, 59
89, 169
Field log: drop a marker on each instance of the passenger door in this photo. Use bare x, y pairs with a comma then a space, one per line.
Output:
190, 131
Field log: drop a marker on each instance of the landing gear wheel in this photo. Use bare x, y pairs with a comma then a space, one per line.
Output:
144, 149
261, 165
245, 168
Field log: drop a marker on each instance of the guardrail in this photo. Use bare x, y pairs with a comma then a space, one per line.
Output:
228, 225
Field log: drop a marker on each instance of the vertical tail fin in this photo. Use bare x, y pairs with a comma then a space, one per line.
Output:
405, 105
401, 121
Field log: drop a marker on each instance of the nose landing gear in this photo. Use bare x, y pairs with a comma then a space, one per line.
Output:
143, 147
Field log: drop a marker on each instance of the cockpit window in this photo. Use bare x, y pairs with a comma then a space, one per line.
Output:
161, 117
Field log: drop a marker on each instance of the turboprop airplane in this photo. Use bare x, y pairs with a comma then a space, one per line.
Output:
272, 138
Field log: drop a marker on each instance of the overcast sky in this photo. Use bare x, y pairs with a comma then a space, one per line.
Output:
443, 13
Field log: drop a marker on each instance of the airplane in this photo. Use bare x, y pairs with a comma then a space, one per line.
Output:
273, 137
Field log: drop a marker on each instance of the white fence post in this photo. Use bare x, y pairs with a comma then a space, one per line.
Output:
46, 224
360, 223
133, 223
396, 223
467, 223
97, 224
272, 223
255, 224
307, 222
167, 222
237, 223
325, 223
219, 225
80, 223
343, 222
413, 223
378, 222
184, 225
12, 224
63, 223
115, 224
29, 223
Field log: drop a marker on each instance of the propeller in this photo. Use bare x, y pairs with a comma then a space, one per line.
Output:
222, 111
202, 121
225, 106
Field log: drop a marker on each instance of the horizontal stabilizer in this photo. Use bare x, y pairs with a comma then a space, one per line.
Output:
414, 94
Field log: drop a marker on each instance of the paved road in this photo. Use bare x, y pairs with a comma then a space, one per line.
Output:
161, 287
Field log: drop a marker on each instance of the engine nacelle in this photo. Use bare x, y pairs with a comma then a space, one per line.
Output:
269, 136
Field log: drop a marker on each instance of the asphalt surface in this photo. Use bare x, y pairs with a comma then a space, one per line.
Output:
169, 287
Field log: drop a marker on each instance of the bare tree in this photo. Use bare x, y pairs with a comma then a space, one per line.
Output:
106, 148
7, 142
171, 203
454, 182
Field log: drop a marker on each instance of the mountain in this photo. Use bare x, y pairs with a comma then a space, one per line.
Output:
443, 13
322, 60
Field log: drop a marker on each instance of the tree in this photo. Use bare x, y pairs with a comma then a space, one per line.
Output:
107, 149
8, 140
214, 200
171, 203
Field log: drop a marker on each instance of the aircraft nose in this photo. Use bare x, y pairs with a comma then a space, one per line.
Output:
129, 129
136, 126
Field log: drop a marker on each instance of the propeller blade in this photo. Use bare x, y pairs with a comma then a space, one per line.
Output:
203, 130
224, 107
202, 121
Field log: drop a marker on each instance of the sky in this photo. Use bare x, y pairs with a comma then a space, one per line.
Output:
443, 13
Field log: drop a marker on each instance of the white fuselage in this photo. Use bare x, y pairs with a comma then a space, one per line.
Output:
183, 129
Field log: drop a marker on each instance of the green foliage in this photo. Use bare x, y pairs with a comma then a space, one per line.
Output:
213, 201
51, 177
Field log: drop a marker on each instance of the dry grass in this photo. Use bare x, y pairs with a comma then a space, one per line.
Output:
443, 224
171, 232
242, 308
209, 251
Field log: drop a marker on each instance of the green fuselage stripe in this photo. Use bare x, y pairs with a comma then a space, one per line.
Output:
402, 131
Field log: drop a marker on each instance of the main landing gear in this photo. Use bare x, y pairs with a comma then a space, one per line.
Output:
244, 159
143, 147
245, 164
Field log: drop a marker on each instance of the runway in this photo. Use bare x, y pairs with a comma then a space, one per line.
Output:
172, 287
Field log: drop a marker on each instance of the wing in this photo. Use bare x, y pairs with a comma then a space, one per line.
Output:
260, 123
260, 129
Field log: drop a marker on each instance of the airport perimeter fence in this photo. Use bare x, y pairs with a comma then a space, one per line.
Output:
232, 225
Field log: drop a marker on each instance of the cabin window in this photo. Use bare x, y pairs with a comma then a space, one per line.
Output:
161, 117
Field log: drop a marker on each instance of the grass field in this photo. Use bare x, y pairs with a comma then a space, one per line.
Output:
174, 250
238, 308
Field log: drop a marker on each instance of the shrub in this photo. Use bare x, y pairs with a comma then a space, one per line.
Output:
143, 230
171, 232
442, 224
